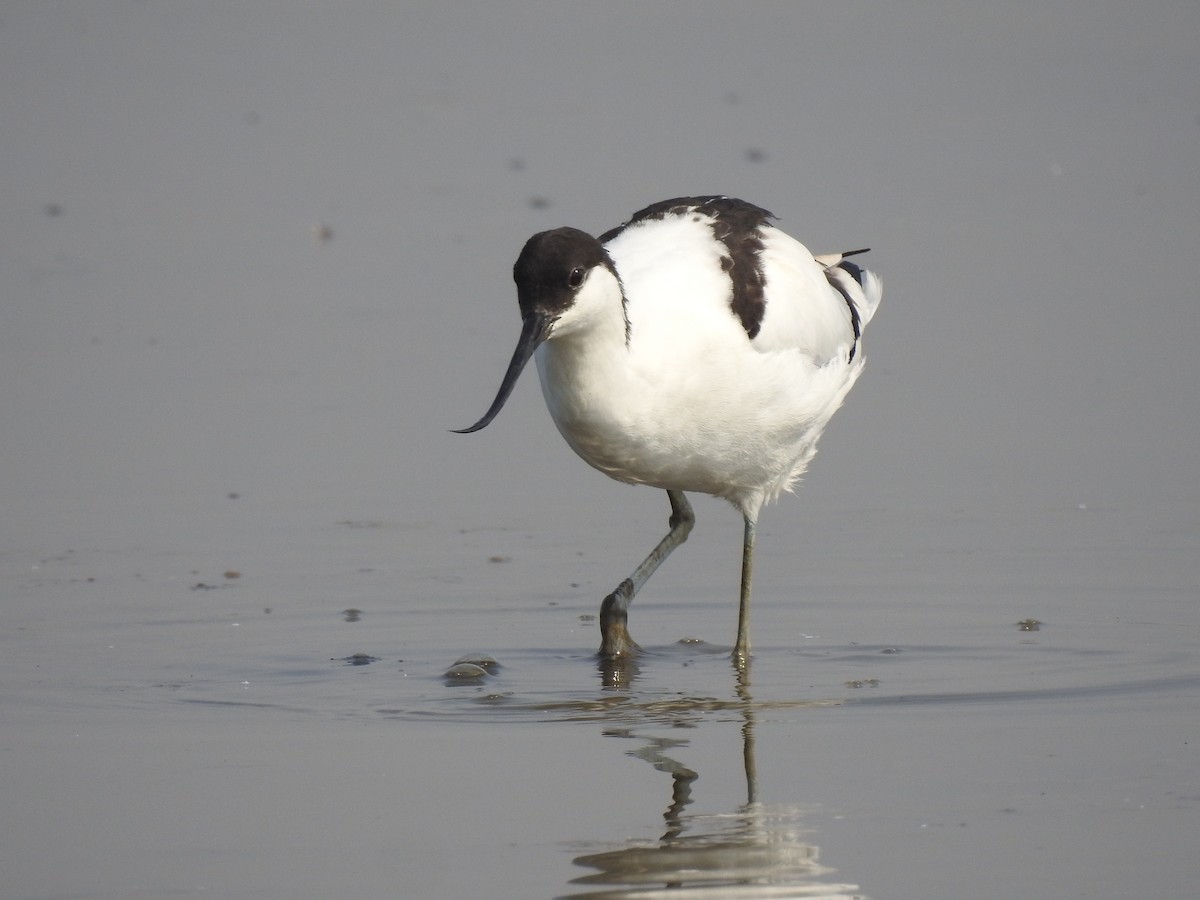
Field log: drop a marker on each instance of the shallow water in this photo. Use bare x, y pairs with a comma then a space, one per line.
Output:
255, 263
227, 741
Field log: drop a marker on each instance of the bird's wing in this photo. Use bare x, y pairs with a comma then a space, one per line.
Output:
813, 304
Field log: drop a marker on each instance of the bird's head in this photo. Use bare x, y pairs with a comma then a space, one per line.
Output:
562, 278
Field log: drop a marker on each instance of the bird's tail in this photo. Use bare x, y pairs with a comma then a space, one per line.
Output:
861, 288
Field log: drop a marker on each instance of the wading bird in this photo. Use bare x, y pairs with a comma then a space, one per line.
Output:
696, 347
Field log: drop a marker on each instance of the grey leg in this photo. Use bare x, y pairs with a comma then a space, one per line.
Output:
614, 611
741, 651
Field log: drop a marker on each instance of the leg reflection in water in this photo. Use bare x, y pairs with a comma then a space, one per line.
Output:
755, 851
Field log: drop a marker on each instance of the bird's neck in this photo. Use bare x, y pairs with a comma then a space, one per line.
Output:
584, 368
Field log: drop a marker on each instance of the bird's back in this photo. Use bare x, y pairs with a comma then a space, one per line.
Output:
698, 261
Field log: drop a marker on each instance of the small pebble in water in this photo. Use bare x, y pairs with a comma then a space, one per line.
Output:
465, 673
862, 683
360, 659
482, 660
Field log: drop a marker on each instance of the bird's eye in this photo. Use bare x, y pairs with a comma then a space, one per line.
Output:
575, 279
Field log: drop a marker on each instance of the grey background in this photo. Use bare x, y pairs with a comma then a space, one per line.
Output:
264, 250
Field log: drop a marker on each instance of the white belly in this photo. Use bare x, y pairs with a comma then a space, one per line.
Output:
741, 425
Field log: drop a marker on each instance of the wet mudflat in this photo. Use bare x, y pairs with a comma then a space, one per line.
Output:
268, 630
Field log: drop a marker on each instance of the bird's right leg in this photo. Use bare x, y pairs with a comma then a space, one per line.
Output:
614, 611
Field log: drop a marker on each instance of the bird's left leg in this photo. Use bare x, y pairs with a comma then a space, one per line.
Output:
614, 611
741, 651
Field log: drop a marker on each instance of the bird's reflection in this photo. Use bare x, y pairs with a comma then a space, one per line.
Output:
618, 672
757, 850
